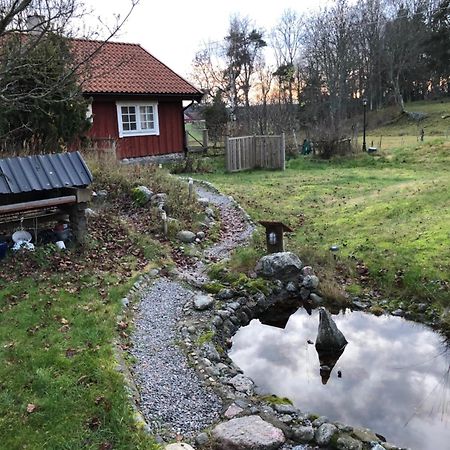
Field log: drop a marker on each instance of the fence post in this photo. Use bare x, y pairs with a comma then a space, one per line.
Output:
283, 151
205, 139
227, 153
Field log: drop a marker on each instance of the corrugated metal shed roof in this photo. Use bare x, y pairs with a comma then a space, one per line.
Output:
43, 172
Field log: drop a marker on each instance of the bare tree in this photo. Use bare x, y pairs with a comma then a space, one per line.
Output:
286, 42
404, 36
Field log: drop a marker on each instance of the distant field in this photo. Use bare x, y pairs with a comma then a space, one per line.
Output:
404, 131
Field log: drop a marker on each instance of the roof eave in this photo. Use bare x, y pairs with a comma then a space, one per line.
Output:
184, 96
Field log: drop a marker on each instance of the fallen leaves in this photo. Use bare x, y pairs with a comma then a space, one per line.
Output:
94, 423
122, 325
31, 408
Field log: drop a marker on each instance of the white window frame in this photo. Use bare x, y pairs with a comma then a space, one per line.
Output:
139, 131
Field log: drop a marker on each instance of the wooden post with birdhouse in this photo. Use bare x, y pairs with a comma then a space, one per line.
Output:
274, 235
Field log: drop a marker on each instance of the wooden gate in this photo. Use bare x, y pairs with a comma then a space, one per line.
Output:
251, 152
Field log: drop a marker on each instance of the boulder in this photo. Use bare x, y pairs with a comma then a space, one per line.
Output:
303, 434
365, 435
186, 236
202, 439
329, 338
242, 384
141, 195
325, 433
310, 281
158, 199
203, 201
285, 408
346, 442
225, 294
247, 433
179, 446
232, 411
209, 212
316, 300
307, 270
202, 302
281, 266
209, 351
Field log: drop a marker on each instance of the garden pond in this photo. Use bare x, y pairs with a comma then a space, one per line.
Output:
393, 376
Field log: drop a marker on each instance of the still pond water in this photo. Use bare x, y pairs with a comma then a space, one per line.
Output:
393, 376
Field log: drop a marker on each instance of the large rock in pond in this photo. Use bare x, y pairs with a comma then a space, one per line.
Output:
329, 337
247, 433
280, 266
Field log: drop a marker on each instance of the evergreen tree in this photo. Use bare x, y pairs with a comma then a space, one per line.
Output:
42, 108
216, 118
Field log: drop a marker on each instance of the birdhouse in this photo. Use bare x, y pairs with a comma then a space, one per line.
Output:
274, 235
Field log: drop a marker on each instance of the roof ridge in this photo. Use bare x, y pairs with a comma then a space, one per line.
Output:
103, 41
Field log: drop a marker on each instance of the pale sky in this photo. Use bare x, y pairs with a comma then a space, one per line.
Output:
173, 30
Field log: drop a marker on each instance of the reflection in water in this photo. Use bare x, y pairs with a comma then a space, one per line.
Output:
393, 376
327, 361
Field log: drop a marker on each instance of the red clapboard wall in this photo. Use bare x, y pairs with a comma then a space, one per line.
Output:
170, 139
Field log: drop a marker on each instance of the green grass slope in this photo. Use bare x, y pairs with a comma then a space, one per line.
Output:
390, 211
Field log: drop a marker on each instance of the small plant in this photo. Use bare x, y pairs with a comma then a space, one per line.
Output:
213, 288
205, 337
376, 310
139, 197
275, 400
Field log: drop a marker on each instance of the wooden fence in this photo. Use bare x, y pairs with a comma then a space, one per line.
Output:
251, 152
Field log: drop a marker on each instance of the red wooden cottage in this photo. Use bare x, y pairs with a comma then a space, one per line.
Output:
136, 99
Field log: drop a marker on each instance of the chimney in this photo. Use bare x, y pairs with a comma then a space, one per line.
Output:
36, 24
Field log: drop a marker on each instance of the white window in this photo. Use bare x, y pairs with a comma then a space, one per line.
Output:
137, 119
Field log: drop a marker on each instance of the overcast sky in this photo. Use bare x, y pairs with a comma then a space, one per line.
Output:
173, 30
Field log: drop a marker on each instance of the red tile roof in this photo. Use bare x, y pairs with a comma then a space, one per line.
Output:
122, 68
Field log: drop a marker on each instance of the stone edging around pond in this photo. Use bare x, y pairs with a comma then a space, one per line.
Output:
205, 336
205, 331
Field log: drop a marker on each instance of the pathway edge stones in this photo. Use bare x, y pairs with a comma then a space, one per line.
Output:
218, 326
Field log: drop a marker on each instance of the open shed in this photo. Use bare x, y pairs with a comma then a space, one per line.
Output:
44, 188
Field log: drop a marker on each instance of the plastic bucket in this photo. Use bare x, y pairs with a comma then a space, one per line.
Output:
3, 249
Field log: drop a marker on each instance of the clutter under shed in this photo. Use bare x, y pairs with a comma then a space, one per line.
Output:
39, 189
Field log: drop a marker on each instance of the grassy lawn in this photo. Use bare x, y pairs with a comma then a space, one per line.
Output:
390, 211
59, 385
195, 135
59, 325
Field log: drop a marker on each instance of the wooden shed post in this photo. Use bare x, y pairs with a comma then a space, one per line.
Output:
78, 224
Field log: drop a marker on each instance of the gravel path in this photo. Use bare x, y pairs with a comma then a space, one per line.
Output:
174, 400
235, 231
